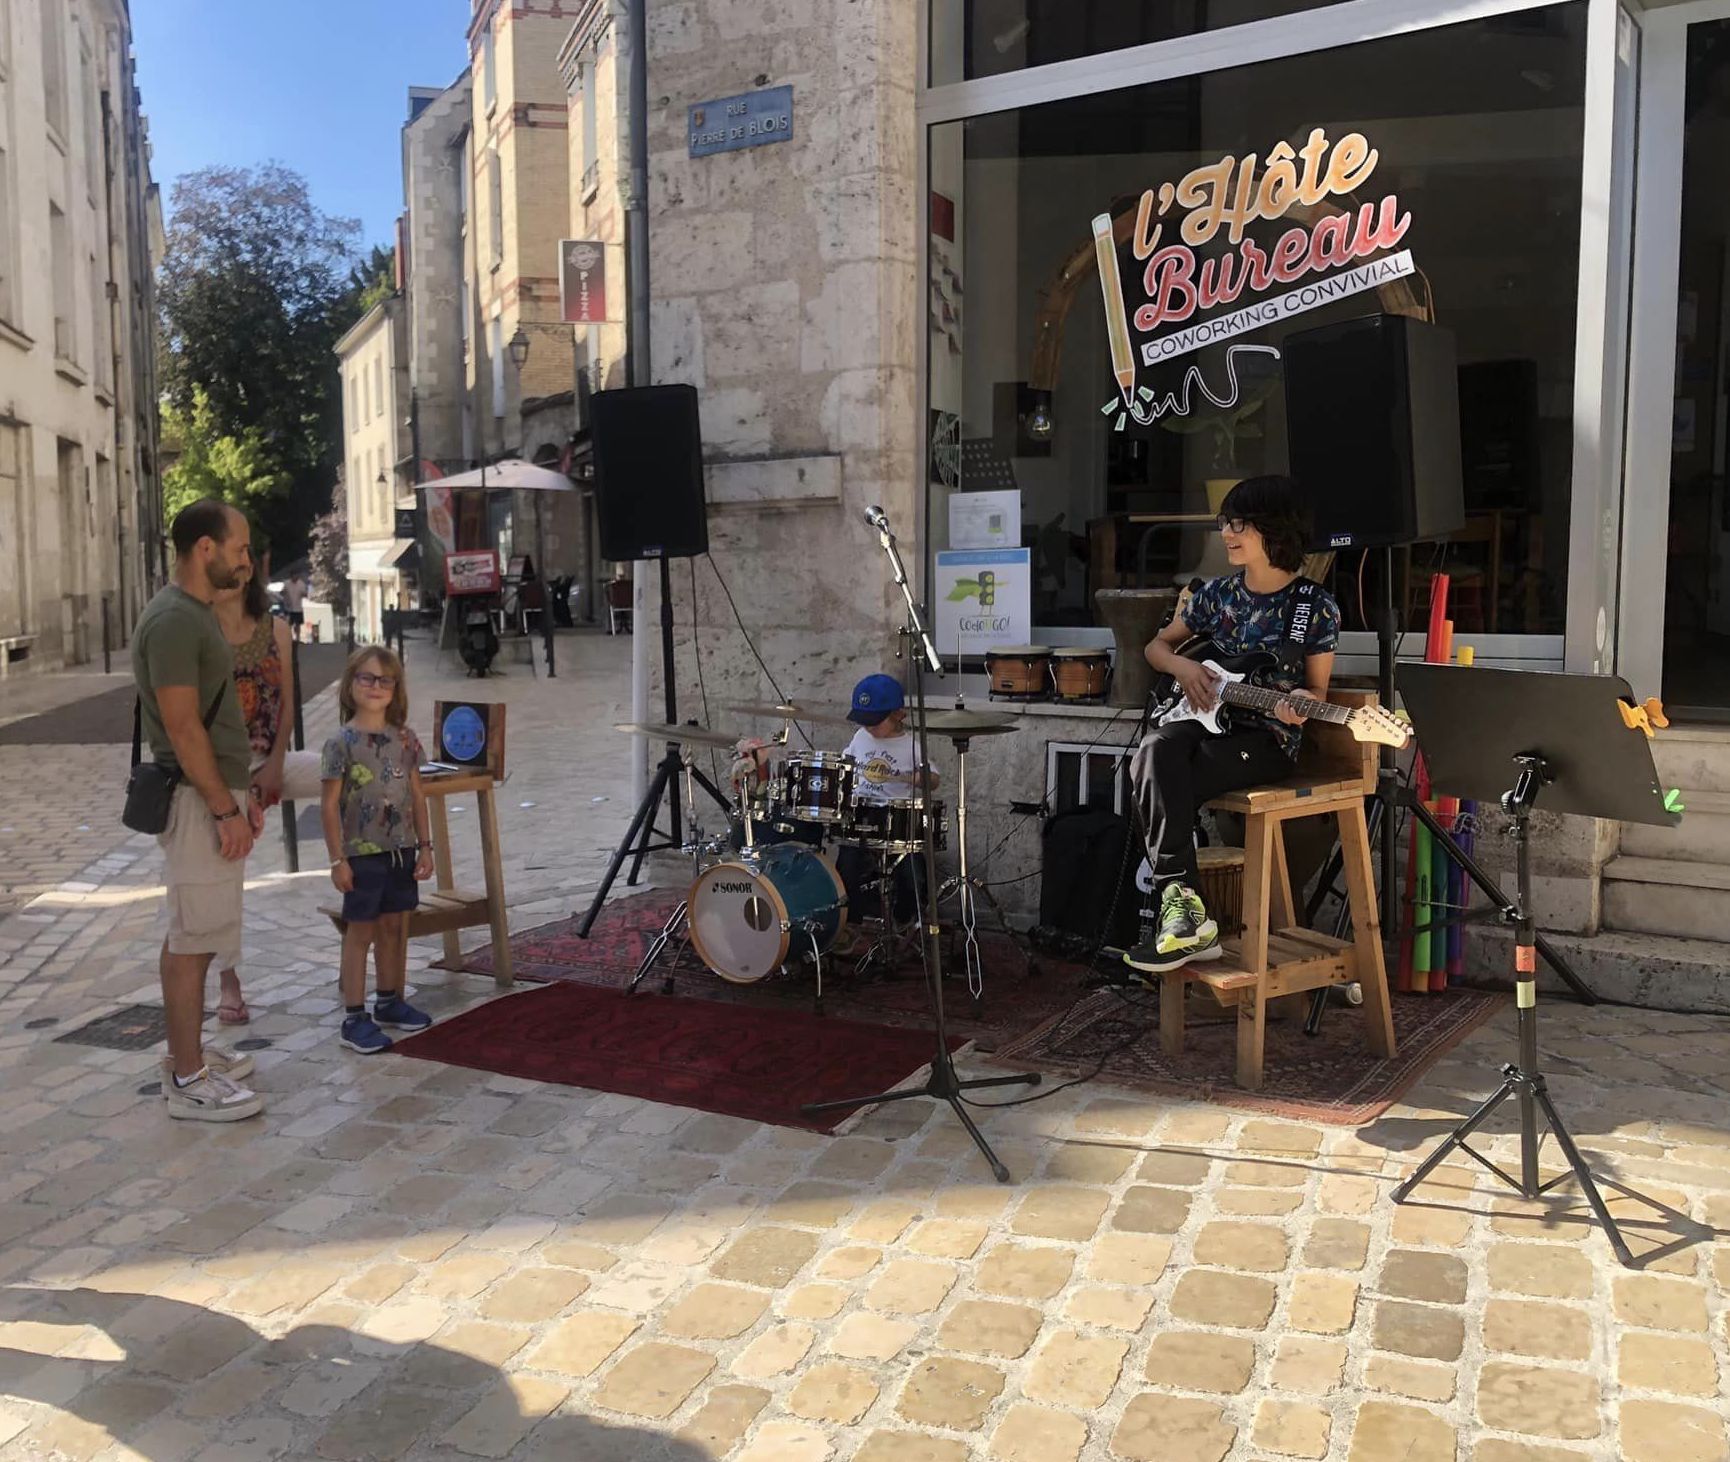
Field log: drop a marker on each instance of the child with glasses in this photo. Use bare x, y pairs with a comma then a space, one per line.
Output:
375, 828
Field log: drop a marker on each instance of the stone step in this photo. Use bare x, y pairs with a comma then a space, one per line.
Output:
1656, 972
1703, 835
1693, 756
1667, 896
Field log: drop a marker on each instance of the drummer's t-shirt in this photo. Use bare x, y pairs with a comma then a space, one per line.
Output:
886, 766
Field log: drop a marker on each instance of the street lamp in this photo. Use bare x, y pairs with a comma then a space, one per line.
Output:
518, 349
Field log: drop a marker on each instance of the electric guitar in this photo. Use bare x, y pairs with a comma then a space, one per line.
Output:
1240, 681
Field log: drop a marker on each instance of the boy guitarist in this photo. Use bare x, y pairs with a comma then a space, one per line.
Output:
1265, 605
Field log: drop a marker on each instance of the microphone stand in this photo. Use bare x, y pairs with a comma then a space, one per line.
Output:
942, 1084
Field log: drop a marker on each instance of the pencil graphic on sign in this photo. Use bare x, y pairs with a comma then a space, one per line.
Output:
1116, 321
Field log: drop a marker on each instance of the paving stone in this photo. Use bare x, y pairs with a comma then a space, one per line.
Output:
653, 1380
1348, 1194
1210, 1298
949, 1392
379, 1425
948, 1238
576, 1254
1384, 1432
377, 1284
1336, 1243
1292, 1429
1427, 1331
725, 1415
1035, 1434
1158, 1428
1078, 1162
990, 1327
577, 1345
1417, 1379
853, 1159
833, 1392
1415, 1275
1112, 1309
463, 1356
766, 1256
866, 1336
1025, 1273
321, 1389
884, 1221
971, 1200
886, 1446
820, 1205
1267, 1173
1312, 1367
715, 1312
532, 1295
199, 1347
1128, 1258
1548, 1271
1200, 1360
849, 1262
1282, 1137
1539, 1401
1443, 1228
462, 1276
1152, 1211
911, 1287
1499, 1449
1667, 1363
775, 1352
1256, 1202
1660, 1431
1660, 1304
815, 1302
1531, 1327
1061, 1212
1175, 1169
503, 1417
402, 1322
1075, 1370
1256, 1246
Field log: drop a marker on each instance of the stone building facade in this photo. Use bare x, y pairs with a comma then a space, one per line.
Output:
376, 452
80, 237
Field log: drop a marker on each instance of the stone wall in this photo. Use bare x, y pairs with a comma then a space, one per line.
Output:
785, 290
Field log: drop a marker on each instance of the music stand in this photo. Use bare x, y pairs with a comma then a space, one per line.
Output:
1567, 737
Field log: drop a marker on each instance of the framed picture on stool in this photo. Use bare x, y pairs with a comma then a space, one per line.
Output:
470, 735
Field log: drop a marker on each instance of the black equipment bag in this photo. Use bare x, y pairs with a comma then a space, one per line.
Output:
150, 786
1087, 887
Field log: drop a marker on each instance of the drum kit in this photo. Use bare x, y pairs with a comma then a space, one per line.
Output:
766, 892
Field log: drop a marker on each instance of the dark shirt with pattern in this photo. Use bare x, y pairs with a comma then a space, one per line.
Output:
1240, 621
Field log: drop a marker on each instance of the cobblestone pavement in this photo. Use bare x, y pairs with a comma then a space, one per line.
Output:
406, 1260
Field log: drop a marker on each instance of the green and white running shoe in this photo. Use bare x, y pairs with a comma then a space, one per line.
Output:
1187, 934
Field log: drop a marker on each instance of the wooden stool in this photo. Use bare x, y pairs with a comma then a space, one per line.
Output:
1273, 957
446, 908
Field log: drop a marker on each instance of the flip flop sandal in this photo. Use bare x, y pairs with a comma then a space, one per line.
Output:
234, 1012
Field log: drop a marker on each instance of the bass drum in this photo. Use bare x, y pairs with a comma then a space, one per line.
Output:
750, 915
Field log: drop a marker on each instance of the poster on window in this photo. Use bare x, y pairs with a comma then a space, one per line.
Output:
982, 598
473, 571
582, 282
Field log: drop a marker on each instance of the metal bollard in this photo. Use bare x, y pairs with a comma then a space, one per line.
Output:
291, 832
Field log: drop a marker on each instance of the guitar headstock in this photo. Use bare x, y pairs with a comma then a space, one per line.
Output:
1380, 725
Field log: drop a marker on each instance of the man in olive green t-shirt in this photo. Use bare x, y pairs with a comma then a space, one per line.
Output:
183, 666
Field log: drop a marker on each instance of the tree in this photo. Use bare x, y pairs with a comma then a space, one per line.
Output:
256, 288
329, 555
374, 279
237, 469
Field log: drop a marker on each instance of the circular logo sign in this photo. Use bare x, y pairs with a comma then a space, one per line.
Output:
465, 734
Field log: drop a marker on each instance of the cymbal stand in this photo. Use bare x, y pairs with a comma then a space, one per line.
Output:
892, 938
678, 925
943, 1084
967, 888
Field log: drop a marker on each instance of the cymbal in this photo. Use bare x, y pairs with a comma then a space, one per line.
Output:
965, 723
696, 735
790, 712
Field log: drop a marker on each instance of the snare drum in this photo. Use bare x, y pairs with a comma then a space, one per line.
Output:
1019, 672
816, 786
898, 826
1080, 675
751, 914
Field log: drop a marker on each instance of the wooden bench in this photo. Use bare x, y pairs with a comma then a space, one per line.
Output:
445, 909
1272, 957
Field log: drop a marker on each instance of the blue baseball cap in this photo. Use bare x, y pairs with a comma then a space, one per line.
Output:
875, 697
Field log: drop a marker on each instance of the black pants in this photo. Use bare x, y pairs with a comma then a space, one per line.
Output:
1179, 767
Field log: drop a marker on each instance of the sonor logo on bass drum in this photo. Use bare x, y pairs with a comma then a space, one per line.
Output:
734, 887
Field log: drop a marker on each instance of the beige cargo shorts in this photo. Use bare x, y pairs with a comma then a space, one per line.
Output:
204, 888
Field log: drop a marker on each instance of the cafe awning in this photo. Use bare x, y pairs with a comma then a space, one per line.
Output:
403, 556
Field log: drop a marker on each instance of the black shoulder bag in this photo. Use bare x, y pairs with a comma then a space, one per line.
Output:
150, 786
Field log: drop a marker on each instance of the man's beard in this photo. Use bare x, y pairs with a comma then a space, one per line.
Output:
224, 578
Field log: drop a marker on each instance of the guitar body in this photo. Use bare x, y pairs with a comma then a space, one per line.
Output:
1170, 707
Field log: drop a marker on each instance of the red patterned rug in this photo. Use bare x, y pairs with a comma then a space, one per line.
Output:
1330, 1077
731, 1059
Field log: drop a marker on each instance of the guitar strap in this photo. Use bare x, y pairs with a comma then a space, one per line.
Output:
1300, 627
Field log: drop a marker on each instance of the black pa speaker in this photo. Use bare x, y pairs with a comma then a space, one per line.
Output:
1373, 430
649, 473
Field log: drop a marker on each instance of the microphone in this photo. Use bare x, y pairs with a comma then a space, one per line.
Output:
877, 518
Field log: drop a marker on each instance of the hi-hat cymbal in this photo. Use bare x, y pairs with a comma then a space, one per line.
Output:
695, 735
965, 723
790, 712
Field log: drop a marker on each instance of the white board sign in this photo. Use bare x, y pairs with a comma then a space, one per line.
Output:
985, 520
982, 598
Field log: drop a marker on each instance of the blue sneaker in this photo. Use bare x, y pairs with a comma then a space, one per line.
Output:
360, 1033
398, 1014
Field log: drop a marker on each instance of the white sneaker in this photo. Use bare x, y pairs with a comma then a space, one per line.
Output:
210, 1098
235, 1065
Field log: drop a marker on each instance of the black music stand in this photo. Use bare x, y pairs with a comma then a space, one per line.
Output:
1564, 736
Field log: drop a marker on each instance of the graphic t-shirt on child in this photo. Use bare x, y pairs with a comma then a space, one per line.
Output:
886, 766
376, 801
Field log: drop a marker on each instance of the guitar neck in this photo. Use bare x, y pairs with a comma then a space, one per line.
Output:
1258, 698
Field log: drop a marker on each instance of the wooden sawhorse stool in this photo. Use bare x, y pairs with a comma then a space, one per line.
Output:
445, 908
1272, 957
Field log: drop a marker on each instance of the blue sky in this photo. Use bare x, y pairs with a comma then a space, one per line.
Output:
321, 85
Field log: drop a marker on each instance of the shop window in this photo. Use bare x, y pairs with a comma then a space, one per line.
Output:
1449, 159
54, 67
973, 38
60, 251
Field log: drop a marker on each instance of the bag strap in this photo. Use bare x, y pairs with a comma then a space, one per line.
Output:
215, 705
138, 720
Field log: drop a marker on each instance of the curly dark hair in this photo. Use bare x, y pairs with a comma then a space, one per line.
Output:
1280, 512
